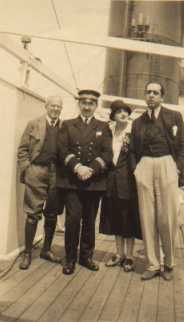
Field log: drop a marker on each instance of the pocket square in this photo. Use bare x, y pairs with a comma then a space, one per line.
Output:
98, 133
174, 130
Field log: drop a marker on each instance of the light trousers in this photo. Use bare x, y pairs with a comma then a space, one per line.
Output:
158, 195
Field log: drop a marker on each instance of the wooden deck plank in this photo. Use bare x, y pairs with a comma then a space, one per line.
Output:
44, 294
18, 307
114, 303
65, 297
15, 293
94, 308
179, 293
14, 279
83, 298
179, 282
166, 312
38, 308
131, 306
169, 308
13, 270
149, 303
35, 311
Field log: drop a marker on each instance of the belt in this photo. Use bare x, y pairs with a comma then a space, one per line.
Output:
155, 155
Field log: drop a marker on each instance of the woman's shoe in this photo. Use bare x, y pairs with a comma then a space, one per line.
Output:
128, 265
114, 261
122, 261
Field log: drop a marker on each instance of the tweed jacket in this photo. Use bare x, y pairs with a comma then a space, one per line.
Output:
174, 133
89, 145
31, 143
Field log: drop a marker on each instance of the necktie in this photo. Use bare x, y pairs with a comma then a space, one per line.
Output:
86, 120
52, 123
153, 118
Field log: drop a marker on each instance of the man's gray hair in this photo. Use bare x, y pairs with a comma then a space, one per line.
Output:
50, 98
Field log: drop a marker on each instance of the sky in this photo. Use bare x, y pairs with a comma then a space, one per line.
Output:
47, 17
82, 16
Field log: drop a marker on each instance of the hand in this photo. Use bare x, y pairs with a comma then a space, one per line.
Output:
84, 172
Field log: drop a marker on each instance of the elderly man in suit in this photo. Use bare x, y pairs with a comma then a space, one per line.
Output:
157, 159
85, 153
37, 162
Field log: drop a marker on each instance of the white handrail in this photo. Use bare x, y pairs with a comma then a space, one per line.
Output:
119, 43
138, 102
11, 47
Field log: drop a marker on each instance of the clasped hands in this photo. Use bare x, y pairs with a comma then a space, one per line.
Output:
83, 172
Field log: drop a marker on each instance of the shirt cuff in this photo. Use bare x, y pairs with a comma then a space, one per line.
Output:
68, 158
101, 161
76, 167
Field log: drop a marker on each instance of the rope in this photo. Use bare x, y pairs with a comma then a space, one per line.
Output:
65, 45
11, 265
107, 78
59, 40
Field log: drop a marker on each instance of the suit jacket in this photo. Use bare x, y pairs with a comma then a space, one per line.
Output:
90, 145
31, 143
174, 133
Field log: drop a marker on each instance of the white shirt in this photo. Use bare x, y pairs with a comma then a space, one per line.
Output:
49, 120
156, 112
117, 140
84, 119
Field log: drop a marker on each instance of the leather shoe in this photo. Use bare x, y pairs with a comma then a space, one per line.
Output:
26, 261
69, 268
89, 263
50, 256
168, 273
114, 261
128, 265
148, 275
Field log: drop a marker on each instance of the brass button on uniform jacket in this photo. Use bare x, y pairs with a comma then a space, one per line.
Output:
90, 145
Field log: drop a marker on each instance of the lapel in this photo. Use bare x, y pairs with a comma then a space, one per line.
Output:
120, 158
42, 129
142, 128
126, 134
85, 131
167, 121
165, 117
60, 123
167, 126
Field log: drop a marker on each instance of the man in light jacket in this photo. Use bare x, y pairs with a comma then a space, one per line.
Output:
37, 162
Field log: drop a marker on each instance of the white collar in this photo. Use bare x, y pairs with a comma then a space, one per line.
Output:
156, 112
127, 129
84, 118
49, 120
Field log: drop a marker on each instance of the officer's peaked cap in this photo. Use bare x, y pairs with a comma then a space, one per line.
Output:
88, 94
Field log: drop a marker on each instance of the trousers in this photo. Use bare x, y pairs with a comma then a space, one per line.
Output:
158, 196
81, 212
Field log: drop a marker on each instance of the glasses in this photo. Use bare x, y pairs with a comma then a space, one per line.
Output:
152, 91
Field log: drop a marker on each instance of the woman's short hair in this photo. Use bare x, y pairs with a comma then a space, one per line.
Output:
117, 106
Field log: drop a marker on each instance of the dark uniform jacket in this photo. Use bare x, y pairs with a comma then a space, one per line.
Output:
174, 133
90, 145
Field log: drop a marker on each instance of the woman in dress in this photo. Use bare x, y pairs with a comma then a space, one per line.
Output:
119, 206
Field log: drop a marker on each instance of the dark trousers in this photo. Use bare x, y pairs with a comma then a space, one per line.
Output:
81, 212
